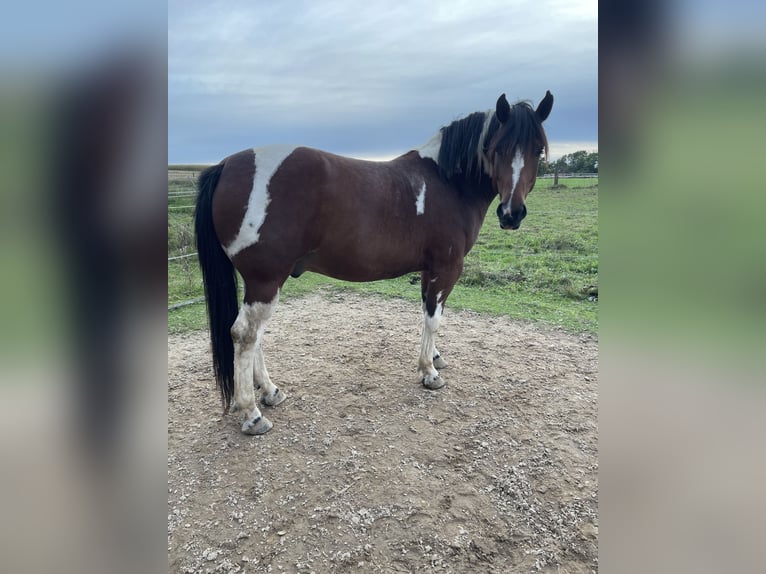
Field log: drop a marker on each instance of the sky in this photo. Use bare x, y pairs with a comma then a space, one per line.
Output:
372, 79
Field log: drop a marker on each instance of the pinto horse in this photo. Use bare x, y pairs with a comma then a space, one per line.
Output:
277, 211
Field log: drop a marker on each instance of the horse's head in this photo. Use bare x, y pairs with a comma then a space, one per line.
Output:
514, 152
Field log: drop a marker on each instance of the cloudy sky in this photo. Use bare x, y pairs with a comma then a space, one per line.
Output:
371, 79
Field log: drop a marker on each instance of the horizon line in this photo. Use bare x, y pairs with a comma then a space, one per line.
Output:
557, 150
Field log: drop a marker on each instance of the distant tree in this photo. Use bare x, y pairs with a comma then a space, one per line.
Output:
576, 162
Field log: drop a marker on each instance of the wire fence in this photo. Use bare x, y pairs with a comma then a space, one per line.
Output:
188, 282
185, 303
174, 258
569, 176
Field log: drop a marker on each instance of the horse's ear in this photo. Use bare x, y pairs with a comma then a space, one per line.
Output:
503, 109
544, 109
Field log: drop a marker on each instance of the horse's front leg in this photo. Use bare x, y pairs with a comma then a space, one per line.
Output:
425, 280
435, 288
427, 372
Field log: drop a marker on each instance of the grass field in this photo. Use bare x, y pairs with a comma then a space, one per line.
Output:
547, 271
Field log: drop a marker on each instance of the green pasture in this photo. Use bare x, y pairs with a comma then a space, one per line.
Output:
547, 271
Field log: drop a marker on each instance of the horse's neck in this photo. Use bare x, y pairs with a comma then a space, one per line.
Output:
478, 196
480, 191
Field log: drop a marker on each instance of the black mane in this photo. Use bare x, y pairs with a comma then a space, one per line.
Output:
459, 154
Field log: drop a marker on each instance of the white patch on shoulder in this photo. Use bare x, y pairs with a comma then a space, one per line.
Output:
420, 202
267, 162
431, 149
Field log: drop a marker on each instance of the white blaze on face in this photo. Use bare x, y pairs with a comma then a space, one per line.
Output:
420, 202
517, 165
267, 162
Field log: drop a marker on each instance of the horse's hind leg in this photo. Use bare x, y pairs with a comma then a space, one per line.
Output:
247, 335
439, 361
271, 395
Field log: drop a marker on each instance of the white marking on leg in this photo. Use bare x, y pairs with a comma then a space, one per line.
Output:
243, 337
436, 321
426, 368
420, 202
439, 362
426, 361
517, 165
262, 312
267, 162
249, 366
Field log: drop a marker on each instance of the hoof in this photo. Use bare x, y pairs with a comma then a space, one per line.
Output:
433, 383
260, 425
439, 363
275, 399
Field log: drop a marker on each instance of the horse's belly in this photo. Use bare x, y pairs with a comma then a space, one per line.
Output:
354, 264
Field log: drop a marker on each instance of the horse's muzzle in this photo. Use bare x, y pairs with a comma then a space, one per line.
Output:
511, 220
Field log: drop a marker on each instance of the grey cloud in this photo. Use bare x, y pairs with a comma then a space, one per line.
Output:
362, 68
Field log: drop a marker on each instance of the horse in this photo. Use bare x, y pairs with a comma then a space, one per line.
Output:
278, 211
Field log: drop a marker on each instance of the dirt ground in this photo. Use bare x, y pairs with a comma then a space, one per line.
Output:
367, 471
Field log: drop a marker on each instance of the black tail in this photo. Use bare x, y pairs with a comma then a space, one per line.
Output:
220, 281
